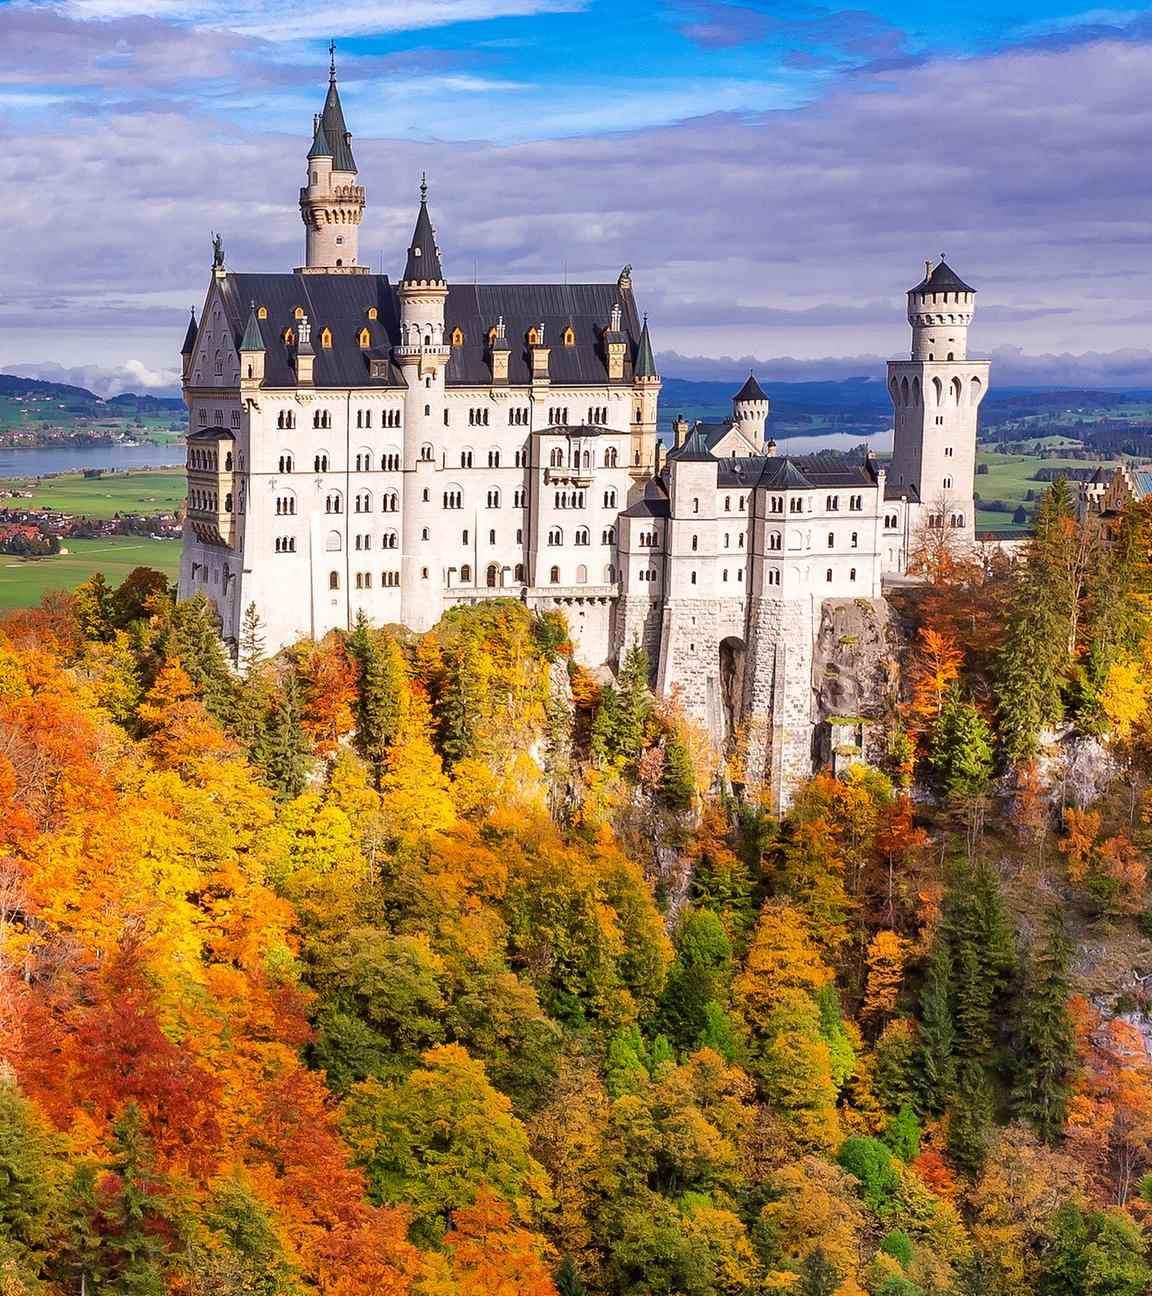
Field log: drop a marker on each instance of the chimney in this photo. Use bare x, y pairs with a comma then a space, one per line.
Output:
680, 430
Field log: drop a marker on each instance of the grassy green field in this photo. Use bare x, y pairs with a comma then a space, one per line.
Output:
145, 490
1011, 477
23, 583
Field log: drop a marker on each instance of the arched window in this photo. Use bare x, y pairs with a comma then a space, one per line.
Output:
828, 575
219, 364
831, 540
555, 536
493, 499
947, 483
852, 574
262, 312
556, 458
695, 506
609, 537
326, 337
363, 502
492, 576
333, 503
373, 313
582, 536
610, 499
610, 457
289, 337
569, 337
554, 575
389, 540
466, 574
285, 463
855, 540
365, 338
532, 337
332, 542
427, 453
333, 580
465, 458
695, 543
457, 337
518, 572
775, 540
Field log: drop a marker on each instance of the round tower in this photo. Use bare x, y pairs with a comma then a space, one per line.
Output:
940, 309
750, 408
332, 203
422, 356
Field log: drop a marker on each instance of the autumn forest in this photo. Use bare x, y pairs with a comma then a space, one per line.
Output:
440, 966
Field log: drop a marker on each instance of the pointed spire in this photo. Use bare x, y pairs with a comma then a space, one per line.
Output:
332, 123
751, 391
320, 146
645, 366
332, 61
190, 336
423, 254
253, 339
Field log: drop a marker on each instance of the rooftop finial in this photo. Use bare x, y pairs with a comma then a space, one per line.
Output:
928, 268
332, 61
423, 186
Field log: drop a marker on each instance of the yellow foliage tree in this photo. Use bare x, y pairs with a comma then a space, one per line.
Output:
887, 955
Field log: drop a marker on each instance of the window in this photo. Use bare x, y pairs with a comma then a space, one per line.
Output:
390, 578
741, 503
518, 573
285, 463
724, 575
389, 540
286, 419
855, 540
389, 502
363, 502
554, 575
286, 544
424, 535
457, 337
465, 458
466, 574
832, 504
235, 418
693, 578
773, 576
948, 452
285, 505
555, 536
777, 504
464, 537
852, 574
262, 312
426, 453
289, 337
493, 499
322, 419
333, 503
389, 462
609, 499
775, 540
491, 537
947, 483
556, 457
828, 575
453, 499
569, 337
320, 463
831, 539
695, 506
518, 498
363, 580
611, 457
609, 536
219, 364
695, 543
795, 504
365, 338
727, 540
492, 576
333, 580
856, 503
582, 536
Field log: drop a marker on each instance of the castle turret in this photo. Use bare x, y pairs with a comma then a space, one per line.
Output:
422, 357
188, 350
645, 397
332, 203
937, 393
750, 410
251, 353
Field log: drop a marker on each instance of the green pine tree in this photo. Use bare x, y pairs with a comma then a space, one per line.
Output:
1046, 1049
818, 1276
379, 693
961, 749
678, 783
936, 1039
251, 647
568, 1281
25, 1191
282, 752
968, 1119
635, 703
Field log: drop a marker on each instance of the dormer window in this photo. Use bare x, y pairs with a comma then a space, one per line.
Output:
289, 337
326, 337
373, 313
457, 337
365, 338
569, 337
491, 335
298, 313
533, 336
262, 313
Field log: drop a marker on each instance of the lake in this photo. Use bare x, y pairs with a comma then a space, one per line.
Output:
22, 464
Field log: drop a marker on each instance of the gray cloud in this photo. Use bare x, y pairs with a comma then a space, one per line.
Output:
772, 234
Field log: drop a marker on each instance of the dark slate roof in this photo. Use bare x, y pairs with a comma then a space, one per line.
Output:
579, 430
653, 503
645, 363
190, 336
694, 450
340, 302
423, 254
751, 391
892, 491
826, 468
320, 146
942, 279
253, 339
211, 434
337, 302
332, 123
1143, 483
586, 308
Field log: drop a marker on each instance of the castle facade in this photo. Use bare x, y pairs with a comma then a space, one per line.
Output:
398, 448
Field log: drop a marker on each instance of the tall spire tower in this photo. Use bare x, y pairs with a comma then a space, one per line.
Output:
937, 393
332, 203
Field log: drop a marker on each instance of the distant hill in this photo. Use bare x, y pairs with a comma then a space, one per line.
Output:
17, 388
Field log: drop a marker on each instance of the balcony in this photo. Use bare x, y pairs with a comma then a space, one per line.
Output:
568, 476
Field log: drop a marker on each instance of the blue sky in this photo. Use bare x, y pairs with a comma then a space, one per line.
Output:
776, 172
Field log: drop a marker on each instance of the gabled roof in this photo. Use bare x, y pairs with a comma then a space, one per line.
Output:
824, 469
653, 502
423, 255
341, 303
942, 279
335, 131
253, 339
751, 390
190, 336
645, 364
694, 450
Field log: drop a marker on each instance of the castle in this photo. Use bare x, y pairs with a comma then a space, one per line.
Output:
358, 445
